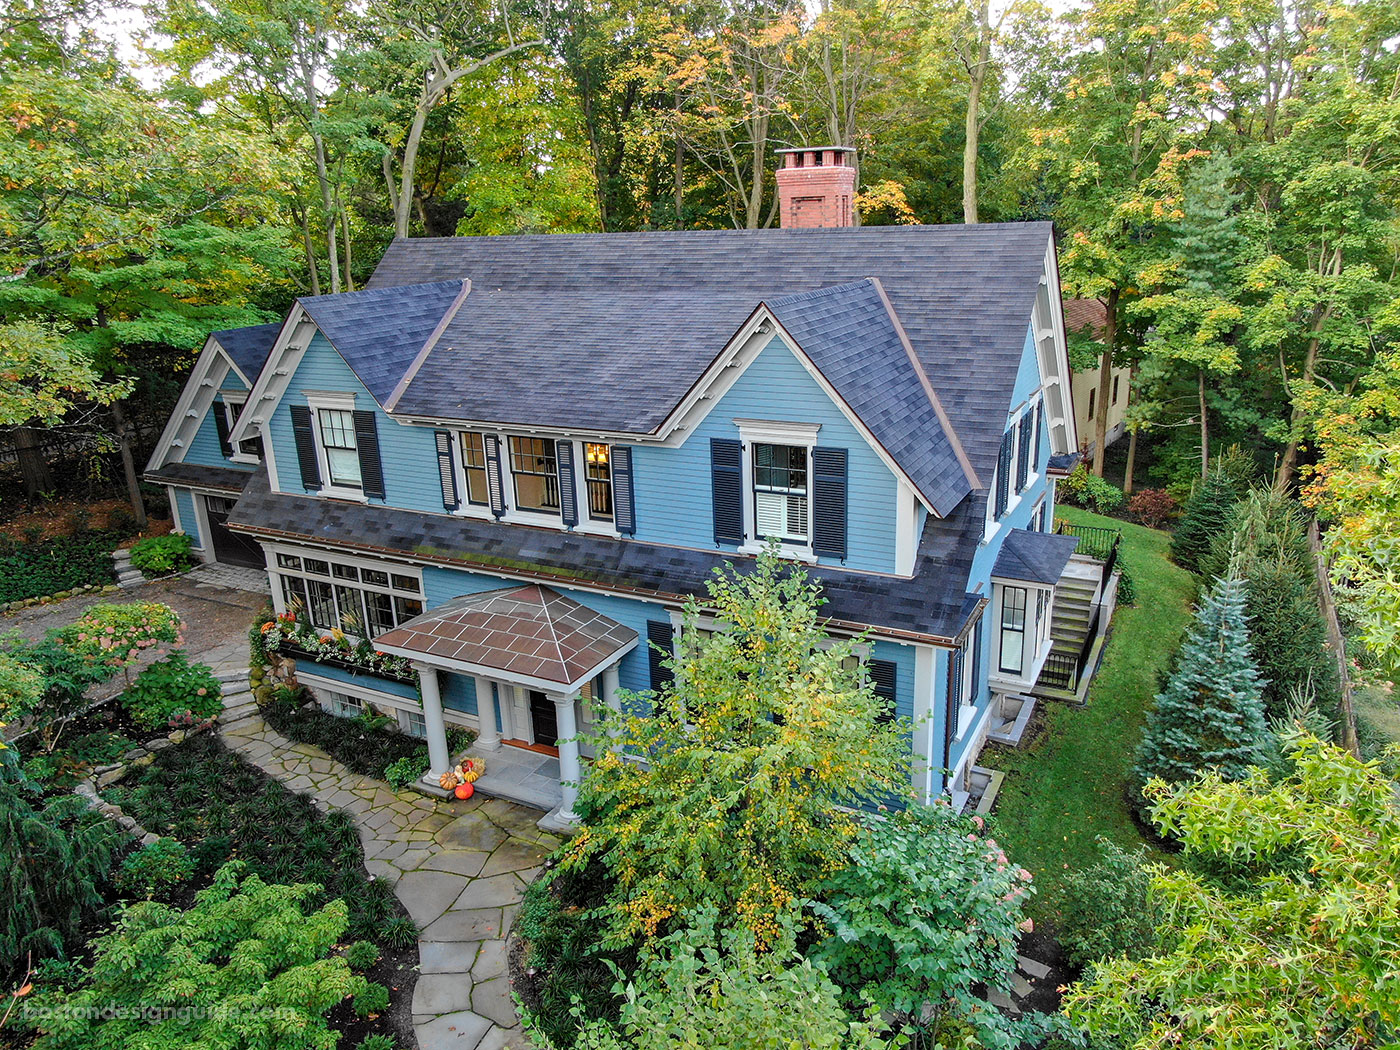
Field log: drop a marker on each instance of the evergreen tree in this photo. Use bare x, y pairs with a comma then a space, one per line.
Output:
1211, 510
1211, 713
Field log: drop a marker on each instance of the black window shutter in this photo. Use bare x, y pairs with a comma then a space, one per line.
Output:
624, 502
882, 678
367, 445
306, 447
1003, 474
494, 489
976, 663
659, 636
829, 502
221, 426
1023, 461
727, 481
1039, 426
446, 474
568, 496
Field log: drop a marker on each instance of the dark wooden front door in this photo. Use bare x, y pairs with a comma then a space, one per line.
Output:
230, 547
545, 718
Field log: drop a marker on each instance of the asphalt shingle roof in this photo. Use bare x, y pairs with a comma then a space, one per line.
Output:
379, 332
932, 606
249, 347
848, 333
226, 478
613, 328
1036, 557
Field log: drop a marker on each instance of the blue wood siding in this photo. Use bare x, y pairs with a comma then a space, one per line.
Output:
1027, 373
673, 485
458, 693
184, 500
204, 446
408, 454
902, 656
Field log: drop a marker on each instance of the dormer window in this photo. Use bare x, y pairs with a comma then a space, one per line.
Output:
597, 464
474, 465
780, 498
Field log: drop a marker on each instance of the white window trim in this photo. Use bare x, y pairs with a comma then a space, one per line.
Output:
275, 571
238, 401
1036, 637
334, 402
774, 432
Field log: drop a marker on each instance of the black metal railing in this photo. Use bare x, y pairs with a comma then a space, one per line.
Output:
1060, 671
1094, 540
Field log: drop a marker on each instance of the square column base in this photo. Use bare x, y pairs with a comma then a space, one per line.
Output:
559, 821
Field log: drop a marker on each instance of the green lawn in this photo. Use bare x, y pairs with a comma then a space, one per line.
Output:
1069, 784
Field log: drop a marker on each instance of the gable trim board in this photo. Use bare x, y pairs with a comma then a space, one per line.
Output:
194, 403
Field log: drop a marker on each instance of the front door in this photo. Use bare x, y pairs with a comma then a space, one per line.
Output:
546, 719
230, 547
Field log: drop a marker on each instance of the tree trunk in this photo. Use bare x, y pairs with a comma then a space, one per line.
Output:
974, 97
133, 483
1132, 458
312, 269
1283, 477
33, 468
345, 230
1110, 337
1205, 423
408, 167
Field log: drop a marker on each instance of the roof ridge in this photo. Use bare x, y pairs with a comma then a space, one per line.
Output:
549, 619
927, 384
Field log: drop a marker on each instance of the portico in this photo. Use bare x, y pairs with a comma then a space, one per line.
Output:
538, 662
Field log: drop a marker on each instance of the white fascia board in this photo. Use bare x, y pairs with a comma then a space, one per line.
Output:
292, 341
210, 368
543, 685
1056, 371
752, 338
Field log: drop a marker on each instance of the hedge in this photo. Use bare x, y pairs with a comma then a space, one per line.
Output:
33, 570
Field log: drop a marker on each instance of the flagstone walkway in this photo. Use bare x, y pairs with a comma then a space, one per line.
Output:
460, 868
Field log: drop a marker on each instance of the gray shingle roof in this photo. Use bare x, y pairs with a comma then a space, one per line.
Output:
1036, 557
229, 479
379, 332
249, 347
848, 333
613, 325
932, 606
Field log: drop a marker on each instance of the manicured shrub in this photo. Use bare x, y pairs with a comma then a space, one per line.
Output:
373, 998
1152, 507
404, 771
399, 933
361, 955
1108, 910
41, 567
1211, 713
162, 555
150, 871
1083, 489
243, 942
1210, 511
169, 687
1289, 637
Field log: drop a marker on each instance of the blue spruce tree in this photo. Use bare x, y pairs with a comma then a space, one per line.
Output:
1211, 713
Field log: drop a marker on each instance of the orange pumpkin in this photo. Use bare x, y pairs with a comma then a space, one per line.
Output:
463, 791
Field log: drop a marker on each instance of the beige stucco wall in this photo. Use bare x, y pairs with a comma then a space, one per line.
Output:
1085, 384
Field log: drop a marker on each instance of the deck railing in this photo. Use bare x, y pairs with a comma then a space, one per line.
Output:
1094, 541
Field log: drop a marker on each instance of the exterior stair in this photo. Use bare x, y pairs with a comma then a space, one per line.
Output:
1074, 606
127, 574
239, 705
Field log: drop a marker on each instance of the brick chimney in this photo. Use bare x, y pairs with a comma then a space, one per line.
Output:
816, 187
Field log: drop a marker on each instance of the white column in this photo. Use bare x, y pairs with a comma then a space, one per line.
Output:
439, 761
488, 735
611, 697
569, 770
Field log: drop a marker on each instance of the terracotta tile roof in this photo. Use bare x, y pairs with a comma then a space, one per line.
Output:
530, 631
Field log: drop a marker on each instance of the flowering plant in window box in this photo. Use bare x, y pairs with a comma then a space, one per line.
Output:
291, 633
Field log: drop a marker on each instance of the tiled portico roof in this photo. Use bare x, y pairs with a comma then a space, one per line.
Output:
529, 632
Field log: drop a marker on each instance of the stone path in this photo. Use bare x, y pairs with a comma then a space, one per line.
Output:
460, 868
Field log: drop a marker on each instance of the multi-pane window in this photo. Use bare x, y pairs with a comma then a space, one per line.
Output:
598, 473
344, 705
338, 441
474, 464
360, 601
780, 491
413, 723
1013, 629
248, 446
535, 472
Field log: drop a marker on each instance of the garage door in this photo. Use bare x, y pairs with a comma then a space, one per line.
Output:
230, 547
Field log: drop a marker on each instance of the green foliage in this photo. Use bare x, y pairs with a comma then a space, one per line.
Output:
1211, 713
1152, 507
115, 635
1301, 955
150, 871
65, 676
1210, 512
162, 555
376, 1041
1083, 489
702, 989
372, 998
399, 933
45, 567
170, 687
755, 754
248, 965
1109, 910
925, 912
21, 688
402, 772
43, 380
361, 955
54, 859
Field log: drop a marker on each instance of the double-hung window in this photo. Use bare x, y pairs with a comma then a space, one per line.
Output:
1013, 630
338, 441
780, 495
535, 473
598, 474
474, 465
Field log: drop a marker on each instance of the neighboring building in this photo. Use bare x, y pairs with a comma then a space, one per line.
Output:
510, 459
1091, 315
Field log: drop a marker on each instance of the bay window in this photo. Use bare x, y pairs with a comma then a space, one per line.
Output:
1013, 630
361, 601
